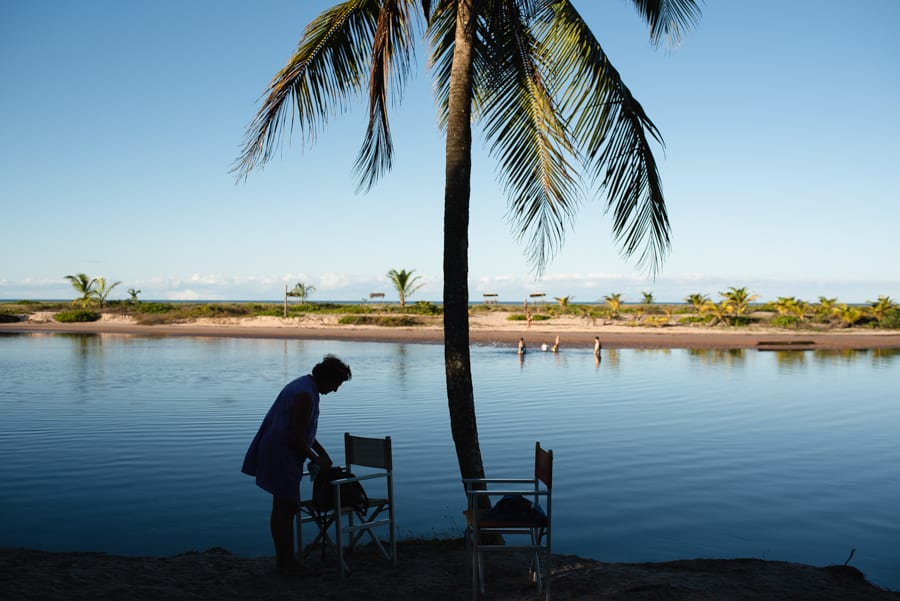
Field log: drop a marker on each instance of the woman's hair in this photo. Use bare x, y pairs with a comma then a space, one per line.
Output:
332, 369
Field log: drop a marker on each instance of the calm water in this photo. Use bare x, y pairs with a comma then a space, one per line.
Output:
133, 445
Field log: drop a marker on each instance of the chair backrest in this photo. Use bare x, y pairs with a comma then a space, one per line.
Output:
543, 465
369, 452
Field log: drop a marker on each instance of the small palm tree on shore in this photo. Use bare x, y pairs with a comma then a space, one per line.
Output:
103, 289
848, 314
404, 282
825, 308
789, 305
563, 300
301, 291
697, 300
85, 286
133, 295
880, 308
721, 312
614, 301
739, 300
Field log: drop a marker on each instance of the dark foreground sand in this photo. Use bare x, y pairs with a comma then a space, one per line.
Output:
426, 571
438, 570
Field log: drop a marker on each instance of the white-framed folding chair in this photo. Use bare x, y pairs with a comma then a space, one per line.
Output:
523, 509
375, 457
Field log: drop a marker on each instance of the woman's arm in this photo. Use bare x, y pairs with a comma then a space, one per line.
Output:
300, 414
324, 460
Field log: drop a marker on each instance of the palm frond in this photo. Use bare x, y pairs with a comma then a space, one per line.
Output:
615, 133
523, 124
391, 56
327, 69
668, 19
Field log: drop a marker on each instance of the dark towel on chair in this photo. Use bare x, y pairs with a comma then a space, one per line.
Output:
515, 508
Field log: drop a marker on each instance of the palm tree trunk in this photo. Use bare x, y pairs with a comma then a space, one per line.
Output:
456, 249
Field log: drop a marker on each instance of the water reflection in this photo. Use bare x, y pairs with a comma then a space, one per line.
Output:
84, 345
611, 357
883, 356
401, 368
727, 357
87, 349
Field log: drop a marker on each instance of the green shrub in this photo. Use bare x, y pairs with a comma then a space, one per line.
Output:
742, 321
891, 319
155, 319
388, 321
692, 319
354, 320
657, 321
424, 308
785, 321
154, 308
218, 310
76, 315
534, 317
8, 318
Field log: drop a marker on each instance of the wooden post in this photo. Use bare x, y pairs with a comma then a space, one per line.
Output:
285, 300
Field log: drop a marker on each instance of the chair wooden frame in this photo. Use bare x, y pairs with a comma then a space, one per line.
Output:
481, 527
374, 453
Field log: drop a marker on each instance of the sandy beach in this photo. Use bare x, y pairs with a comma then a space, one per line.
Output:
437, 570
488, 328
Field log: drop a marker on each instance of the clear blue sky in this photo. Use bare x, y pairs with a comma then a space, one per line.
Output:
120, 120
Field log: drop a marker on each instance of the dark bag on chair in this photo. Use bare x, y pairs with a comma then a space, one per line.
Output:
352, 493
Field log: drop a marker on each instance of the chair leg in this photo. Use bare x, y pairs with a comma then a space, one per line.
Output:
475, 573
393, 535
339, 541
300, 555
547, 578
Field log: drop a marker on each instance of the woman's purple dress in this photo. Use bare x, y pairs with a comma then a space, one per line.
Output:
276, 465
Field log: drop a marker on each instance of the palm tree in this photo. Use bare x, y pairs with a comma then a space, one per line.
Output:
133, 294
739, 300
789, 305
880, 308
85, 286
825, 308
404, 282
721, 312
697, 300
103, 289
848, 314
555, 111
563, 301
301, 291
648, 298
614, 301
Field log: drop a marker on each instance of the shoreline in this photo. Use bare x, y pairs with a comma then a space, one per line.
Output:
490, 330
426, 570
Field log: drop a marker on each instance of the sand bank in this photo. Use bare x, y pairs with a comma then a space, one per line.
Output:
489, 328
